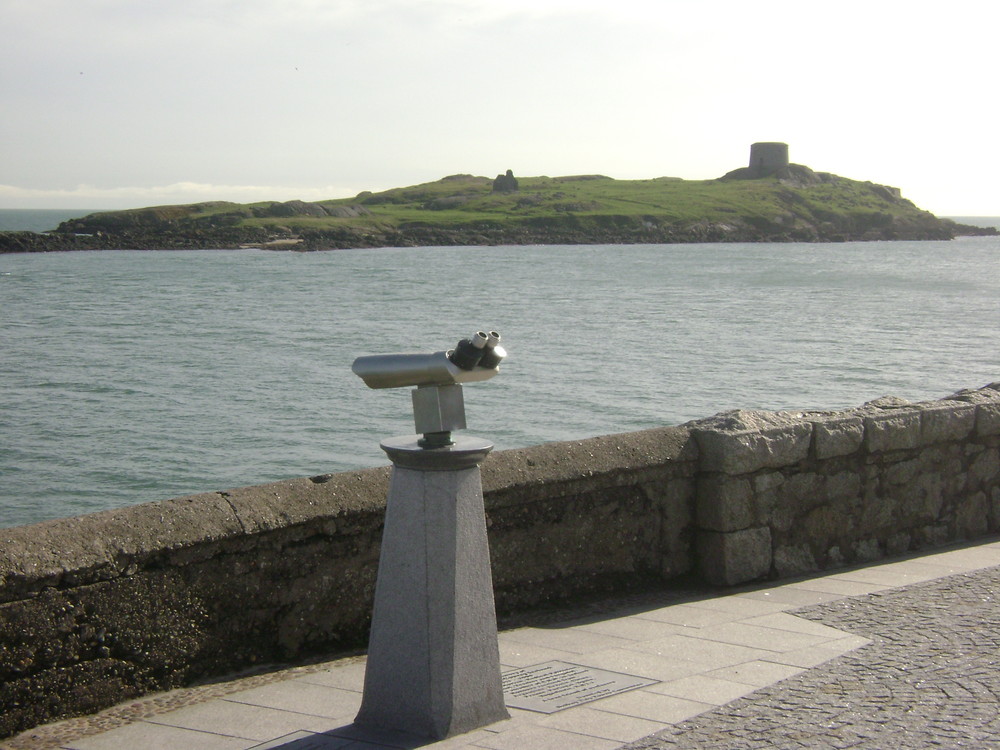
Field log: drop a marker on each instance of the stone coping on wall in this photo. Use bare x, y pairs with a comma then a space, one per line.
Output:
104, 545
742, 441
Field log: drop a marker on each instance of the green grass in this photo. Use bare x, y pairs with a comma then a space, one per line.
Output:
667, 200
469, 200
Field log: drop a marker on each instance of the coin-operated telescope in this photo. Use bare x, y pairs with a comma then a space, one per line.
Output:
436, 379
433, 661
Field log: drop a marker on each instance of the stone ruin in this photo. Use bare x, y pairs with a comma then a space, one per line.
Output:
505, 183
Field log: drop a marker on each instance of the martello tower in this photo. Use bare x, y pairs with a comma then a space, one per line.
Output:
767, 158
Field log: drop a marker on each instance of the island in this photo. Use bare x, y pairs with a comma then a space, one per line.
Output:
770, 200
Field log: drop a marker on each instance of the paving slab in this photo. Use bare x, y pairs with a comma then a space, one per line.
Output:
710, 653
520, 654
703, 689
744, 605
301, 697
641, 663
305, 740
835, 585
759, 637
690, 615
756, 673
241, 720
631, 628
349, 677
545, 738
645, 704
972, 558
150, 736
814, 655
789, 623
899, 574
571, 640
602, 724
784, 598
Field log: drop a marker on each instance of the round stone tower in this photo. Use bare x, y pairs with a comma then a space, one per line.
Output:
767, 158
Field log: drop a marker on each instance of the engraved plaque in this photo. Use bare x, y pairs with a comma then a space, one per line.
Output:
558, 685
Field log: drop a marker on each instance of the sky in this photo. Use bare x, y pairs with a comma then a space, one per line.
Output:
126, 103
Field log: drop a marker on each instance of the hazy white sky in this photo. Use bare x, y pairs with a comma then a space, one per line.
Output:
124, 103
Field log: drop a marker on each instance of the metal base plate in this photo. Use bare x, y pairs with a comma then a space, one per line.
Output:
464, 453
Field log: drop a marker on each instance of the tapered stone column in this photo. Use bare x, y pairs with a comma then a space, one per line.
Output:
433, 662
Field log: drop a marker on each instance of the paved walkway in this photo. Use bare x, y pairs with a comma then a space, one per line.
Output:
900, 654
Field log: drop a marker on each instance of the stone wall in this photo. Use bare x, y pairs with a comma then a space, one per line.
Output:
97, 609
786, 494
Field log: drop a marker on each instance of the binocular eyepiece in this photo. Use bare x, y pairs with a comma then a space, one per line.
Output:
482, 350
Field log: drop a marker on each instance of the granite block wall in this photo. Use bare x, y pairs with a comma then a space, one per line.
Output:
784, 494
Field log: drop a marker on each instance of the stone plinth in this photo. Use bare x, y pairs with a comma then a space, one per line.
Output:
433, 662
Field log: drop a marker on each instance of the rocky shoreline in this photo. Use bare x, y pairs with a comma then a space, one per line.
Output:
561, 231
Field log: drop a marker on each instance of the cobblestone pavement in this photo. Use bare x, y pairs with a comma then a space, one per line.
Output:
931, 678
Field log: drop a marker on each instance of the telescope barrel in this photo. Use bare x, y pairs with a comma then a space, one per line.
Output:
415, 369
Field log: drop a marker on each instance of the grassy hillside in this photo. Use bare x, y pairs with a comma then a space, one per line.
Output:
467, 199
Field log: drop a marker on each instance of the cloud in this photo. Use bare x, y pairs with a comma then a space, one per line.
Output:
90, 196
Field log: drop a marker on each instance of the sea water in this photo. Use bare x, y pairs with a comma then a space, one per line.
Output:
134, 376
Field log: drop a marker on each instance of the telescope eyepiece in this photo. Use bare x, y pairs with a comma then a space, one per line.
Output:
493, 353
469, 352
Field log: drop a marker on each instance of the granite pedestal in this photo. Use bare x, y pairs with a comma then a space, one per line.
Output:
433, 662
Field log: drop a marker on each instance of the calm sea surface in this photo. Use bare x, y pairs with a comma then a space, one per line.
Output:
137, 376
